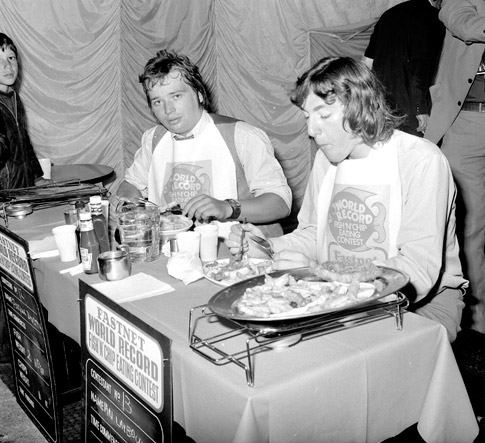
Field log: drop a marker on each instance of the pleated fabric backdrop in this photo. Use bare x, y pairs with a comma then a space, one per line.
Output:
80, 62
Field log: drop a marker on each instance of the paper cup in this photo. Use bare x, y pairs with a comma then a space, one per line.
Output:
208, 241
189, 242
65, 237
45, 164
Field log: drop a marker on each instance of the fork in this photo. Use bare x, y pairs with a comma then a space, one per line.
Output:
240, 254
241, 246
263, 243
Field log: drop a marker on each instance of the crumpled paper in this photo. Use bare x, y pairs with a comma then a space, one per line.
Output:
186, 267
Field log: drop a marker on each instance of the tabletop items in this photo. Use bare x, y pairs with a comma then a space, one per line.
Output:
114, 265
91, 228
65, 237
208, 241
139, 229
141, 234
88, 244
100, 223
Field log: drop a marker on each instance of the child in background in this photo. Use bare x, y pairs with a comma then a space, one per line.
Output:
19, 166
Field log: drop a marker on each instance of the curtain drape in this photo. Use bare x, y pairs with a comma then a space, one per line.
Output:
80, 62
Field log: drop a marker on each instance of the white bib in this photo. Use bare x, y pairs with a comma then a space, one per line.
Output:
202, 165
359, 209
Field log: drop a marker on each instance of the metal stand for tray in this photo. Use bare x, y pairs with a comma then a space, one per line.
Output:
269, 338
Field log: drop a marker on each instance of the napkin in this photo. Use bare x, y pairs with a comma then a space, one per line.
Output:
43, 248
74, 270
186, 267
132, 288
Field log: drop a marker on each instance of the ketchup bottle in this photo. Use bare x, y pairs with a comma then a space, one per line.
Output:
88, 244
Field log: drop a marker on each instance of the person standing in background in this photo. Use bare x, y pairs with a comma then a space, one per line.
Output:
19, 167
404, 51
458, 120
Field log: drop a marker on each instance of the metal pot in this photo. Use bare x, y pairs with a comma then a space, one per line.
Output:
114, 265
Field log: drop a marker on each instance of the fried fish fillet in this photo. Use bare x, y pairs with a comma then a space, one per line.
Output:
344, 273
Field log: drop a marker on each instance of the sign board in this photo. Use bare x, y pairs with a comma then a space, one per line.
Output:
127, 383
32, 359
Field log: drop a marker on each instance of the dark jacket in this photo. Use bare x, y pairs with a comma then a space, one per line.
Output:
19, 167
405, 46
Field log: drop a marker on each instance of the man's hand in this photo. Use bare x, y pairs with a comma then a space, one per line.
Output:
422, 122
204, 207
233, 241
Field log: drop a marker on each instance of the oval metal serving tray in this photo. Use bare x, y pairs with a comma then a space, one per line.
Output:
223, 301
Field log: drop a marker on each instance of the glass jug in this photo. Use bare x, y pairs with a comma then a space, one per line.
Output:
139, 228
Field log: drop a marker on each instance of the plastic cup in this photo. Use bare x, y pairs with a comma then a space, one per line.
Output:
65, 237
46, 166
208, 241
189, 242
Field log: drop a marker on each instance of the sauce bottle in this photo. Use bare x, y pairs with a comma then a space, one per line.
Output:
88, 244
99, 223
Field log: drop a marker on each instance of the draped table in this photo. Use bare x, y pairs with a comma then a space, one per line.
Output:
365, 383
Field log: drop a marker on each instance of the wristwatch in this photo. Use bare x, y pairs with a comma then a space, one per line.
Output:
236, 209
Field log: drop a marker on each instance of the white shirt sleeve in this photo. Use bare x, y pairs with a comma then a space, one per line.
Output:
137, 173
427, 221
263, 172
304, 238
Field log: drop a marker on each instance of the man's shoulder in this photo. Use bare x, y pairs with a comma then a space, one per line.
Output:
220, 119
240, 126
414, 147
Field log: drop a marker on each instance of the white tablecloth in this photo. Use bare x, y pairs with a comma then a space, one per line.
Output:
366, 383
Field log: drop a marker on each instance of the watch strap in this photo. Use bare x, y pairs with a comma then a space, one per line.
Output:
236, 209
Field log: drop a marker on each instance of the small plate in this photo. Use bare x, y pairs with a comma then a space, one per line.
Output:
218, 272
170, 224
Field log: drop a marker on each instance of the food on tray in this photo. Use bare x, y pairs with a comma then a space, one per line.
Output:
344, 273
232, 270
172, 222
287, 296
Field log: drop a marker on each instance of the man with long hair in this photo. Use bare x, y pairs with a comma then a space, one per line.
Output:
375, 194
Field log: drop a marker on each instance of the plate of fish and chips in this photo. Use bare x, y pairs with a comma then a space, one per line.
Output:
306, 292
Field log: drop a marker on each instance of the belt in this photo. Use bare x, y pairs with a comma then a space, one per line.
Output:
473, 106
